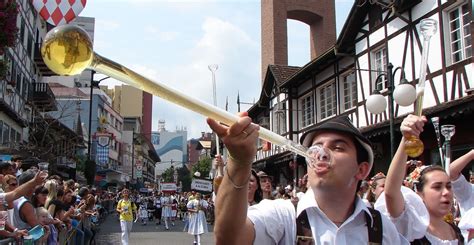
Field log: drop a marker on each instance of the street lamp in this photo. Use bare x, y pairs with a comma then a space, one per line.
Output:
94, 84
213, 68
404, 94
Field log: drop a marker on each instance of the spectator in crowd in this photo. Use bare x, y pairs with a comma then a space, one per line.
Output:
17, 161
331, 210
9, 183
24, 215
254, 191
266, 185
6, 168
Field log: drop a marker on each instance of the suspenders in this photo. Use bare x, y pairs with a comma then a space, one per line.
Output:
304, 236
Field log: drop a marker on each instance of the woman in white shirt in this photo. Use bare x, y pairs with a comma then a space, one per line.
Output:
167, 213
419, 217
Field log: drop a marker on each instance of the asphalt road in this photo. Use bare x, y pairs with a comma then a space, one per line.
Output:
109, 234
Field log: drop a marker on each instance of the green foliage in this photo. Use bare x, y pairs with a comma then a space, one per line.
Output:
203, 166
185, 177
81, 163
167, 176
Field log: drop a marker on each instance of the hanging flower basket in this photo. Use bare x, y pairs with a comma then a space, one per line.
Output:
8, 29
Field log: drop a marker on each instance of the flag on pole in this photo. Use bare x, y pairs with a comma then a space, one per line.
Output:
59, 12
238, 101
227, 103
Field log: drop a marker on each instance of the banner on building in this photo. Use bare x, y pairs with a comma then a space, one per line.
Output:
201, 185
59, 12
168, 187
102, 152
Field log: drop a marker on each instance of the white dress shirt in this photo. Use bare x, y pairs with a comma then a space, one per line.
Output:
275, 223
464, 193
414, 220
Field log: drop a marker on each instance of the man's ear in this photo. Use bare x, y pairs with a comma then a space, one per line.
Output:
363, 171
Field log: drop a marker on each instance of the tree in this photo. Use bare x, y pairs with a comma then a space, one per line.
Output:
203, 166
185, 177
167, 175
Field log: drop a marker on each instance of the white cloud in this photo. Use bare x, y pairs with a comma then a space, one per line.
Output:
106, 25
220, 43
153, 33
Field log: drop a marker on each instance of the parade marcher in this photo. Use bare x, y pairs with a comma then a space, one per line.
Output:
126, 208
197, 218
143, 212
419, 218
158, 208
463, 190
167, 212
377, 185
334, 214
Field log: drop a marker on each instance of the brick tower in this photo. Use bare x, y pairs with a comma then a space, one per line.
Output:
318, 14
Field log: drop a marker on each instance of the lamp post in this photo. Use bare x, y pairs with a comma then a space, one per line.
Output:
94, 84
213, 68
404, 95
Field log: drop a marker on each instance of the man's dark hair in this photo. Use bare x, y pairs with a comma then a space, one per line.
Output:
17, 158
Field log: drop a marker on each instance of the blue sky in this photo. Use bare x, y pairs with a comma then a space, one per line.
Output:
174, 41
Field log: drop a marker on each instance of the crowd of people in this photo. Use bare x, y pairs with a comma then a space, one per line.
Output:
44, 209
337, 201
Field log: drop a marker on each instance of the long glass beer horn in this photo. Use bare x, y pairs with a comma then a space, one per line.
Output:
67, 50
428, 27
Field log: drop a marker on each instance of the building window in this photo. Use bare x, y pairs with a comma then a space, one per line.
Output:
279, 118
307, 110
6, 133
327, 100
349, 91
460, 33
379, 64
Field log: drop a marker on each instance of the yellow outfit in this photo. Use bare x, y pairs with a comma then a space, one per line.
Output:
128, 208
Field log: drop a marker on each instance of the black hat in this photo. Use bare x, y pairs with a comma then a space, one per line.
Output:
340, 124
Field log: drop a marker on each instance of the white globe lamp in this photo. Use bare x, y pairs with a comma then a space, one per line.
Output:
404, 94
376, 103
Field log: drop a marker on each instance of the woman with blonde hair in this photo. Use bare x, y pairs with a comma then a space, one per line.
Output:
52, 195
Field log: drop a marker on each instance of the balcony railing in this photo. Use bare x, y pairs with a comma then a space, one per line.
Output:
43, 97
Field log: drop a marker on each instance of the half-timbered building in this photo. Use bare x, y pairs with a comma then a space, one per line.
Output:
339, 81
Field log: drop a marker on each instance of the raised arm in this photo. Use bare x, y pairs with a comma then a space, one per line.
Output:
411, 125
232, 225
24, 189
459, 164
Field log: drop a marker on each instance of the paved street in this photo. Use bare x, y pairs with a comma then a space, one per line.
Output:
152, 234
